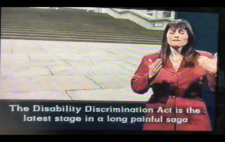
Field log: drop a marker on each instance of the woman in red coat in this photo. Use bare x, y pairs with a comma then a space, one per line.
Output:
176, 75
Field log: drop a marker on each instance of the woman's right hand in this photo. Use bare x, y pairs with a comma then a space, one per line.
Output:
155, 67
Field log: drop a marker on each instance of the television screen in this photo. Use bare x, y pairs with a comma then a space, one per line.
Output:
90, 68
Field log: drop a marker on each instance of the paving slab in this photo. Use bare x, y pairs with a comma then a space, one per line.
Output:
36, 63
9, 56
64, 51
32, 67
132, 49
18, 70
45, 56
132, 60
6, 47
97, 53
39, 51
65, 70
104, 58
86, 70
128, 66
27, 47
71, 56
46, 95
125, 94
21, 83
111, 81
93, 63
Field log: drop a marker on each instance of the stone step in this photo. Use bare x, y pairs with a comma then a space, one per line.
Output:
67, 21
78, 21
84, 27
99, 27
50, 11
80, 34
11, 19
78, 30
104, 29
78, 39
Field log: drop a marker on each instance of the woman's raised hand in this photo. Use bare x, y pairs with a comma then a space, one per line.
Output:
155, 67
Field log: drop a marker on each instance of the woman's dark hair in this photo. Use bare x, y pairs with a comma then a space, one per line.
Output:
188, 50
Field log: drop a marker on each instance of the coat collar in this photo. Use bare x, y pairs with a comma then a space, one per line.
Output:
175, 55
169, 66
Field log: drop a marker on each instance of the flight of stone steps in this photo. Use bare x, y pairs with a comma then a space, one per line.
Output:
72, 25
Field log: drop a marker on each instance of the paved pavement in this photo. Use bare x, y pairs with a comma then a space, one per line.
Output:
48, 70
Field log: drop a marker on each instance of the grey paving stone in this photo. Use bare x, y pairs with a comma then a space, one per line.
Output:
125, 94
46, 95
18, 70
20, 83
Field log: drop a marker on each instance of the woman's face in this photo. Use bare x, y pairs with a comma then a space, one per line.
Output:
177, 37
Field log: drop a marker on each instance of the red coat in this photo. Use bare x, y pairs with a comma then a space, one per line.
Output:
175, 89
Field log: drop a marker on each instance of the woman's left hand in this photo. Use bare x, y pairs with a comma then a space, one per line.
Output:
208, 64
